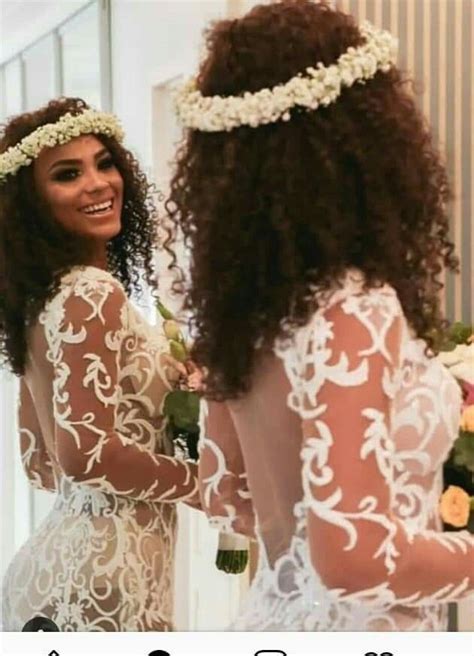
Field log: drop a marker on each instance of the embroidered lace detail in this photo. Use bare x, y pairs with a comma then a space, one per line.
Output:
102, 560
223, 480
377, 418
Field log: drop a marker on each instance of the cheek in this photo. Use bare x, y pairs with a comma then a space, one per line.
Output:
119, 185
61, 202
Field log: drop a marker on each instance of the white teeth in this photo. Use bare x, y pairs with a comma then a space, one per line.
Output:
101, 207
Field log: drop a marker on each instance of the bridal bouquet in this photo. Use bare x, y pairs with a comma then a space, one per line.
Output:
457, 502
181, 406
181, 409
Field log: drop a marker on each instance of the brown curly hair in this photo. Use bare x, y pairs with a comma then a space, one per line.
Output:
273, 212
35, 251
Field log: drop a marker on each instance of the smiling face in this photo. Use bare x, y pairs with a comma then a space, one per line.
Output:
82, 188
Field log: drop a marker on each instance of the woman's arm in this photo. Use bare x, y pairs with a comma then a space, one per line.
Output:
34, 456
350, 475
225, 495
89, 447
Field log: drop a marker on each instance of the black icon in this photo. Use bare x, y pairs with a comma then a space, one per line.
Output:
40, 624
374, 653
159, 652
272, 652
53, 653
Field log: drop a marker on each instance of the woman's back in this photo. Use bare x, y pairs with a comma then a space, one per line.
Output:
92, 375
320, 439
271, 438
293, 173
103, 557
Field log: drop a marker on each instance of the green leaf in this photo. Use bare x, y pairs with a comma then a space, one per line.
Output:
464, 450
232, 562
173, 332
165, 313
460, 332
183, 408
178, 350
448, 345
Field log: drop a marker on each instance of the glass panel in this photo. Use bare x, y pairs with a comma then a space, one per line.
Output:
39, 73
12, 103
81, 56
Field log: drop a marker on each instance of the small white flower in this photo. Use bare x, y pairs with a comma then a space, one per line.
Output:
320, 85
53, 134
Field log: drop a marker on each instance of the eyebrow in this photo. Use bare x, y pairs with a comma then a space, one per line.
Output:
76, 162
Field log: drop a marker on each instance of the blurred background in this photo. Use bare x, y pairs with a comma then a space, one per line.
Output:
125, 56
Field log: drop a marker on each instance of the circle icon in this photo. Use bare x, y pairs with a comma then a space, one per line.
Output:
40, 624
159, 652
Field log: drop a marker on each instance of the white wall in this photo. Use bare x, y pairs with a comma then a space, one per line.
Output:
148, 39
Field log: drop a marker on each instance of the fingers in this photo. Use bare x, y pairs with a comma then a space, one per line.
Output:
175, 368
191, 367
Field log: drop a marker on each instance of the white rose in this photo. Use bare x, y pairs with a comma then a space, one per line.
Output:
450, 358
460, 362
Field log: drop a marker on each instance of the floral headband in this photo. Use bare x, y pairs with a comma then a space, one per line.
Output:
68, 127
321, 85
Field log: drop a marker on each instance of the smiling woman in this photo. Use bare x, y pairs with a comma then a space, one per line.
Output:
83, 189
77, 229
40, 209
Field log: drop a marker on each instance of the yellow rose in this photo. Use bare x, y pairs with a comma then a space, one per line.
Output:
178, 351
454, 506
467, 419
171, 330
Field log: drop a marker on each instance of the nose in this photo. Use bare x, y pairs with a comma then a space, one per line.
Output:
94, 181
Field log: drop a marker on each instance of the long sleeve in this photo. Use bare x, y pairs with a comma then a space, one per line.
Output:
225, 495
351, 476
85, 349
34, 456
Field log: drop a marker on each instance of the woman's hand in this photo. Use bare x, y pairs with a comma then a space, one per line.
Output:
175, 371
195, 381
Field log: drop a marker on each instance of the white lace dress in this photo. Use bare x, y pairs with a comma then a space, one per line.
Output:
341, 441
91, 431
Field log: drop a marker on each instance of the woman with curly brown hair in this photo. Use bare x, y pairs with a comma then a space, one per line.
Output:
77, 229
314, 203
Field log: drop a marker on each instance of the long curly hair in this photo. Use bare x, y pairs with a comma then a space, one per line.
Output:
274, 212
35, 251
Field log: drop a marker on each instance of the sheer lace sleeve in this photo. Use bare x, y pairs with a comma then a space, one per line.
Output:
356, 492
223, 481
85, 346
34, 455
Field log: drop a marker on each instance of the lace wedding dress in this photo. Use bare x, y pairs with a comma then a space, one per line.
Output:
339, 448
90, 427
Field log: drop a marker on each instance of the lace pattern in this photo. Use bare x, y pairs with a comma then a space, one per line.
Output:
223, 479
377, 420
103, 558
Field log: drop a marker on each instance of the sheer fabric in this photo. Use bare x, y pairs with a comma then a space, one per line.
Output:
91, 430
343, 436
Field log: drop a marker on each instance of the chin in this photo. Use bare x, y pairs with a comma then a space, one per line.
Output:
106, 233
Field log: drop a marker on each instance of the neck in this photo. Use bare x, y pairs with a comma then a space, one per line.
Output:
99, 258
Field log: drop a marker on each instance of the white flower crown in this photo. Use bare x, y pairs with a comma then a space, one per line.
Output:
68, 127
322, 86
